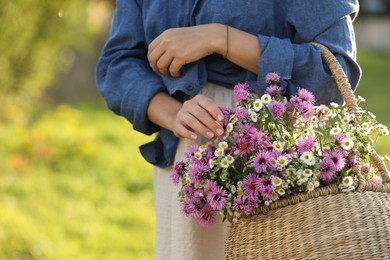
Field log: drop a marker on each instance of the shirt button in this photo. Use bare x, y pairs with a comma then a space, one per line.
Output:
189, 87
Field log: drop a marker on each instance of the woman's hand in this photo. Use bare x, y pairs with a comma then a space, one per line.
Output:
179, 46
198, 115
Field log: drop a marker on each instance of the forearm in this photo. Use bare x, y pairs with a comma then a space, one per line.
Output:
239, 47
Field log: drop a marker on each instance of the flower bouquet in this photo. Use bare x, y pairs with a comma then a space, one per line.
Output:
296, 180
274, 148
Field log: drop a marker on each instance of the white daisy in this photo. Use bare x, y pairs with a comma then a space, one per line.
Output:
254, 117
278, 146
219, 152
202, 148
310, 186
308, 172
335, 105
282, 160
280, 191
361, 99
223, 145
308, 158
224, 163
198, 155
347, 143
229, 127
230, 159
348, 180
266, 98
211, 163
276, 181
257, 105
335, 130
316, 184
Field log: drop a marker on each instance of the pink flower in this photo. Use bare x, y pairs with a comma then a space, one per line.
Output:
376, 180
306, 96
206, 216
327, 170
306, 110
339, 138
273, 91
240, 205
241, 113
198, 172
338, 159
266, 188
216, 196
241, 92
277, 109
306, 145
177, 172
262, 161
272, 78
366, 167
251, 185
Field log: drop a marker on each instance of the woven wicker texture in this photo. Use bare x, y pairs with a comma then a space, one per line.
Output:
340, 226
324, 224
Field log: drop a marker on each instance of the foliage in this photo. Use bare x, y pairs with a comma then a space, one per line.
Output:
35, 39
69, 189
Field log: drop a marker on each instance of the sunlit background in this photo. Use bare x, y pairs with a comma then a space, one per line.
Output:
72, 182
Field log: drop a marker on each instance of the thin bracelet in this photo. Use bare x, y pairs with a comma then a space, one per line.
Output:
227, 41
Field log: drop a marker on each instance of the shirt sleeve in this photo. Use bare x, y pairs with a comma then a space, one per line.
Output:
298, 62
123, 74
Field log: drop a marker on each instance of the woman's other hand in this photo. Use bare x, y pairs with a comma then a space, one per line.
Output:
179, 46
198, 115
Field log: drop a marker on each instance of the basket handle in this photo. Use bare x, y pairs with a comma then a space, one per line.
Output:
349, 97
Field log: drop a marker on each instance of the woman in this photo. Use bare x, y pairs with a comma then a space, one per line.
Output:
169, 65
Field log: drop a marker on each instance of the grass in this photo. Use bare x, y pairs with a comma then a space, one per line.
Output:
74, 186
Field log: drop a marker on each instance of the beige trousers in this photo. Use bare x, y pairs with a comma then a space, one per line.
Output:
177, 236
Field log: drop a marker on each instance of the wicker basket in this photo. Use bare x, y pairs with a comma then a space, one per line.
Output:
324, 224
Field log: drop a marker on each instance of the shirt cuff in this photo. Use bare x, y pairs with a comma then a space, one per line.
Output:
277, 55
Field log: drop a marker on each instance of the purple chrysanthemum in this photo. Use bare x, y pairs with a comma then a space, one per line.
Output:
266, 188
295, 102
272, 78
262, 161
197, 172
241, 113
206, 216
306, 96
241, 92
306, 145
216, 196
306, 110
273, 91
240, 205
177, 172
327, 170
251, 185
338, 159
277, 109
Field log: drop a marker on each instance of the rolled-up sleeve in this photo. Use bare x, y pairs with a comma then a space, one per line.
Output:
299, 63
123, 75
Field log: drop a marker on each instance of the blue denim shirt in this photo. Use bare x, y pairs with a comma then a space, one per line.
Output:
284, 29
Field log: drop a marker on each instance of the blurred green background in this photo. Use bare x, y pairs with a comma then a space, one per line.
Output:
72, 182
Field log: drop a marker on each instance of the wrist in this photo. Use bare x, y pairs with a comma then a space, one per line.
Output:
219, 39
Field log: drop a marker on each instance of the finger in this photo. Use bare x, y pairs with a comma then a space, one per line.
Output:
210, 106
183, 132
207, 120
163, 63
154, 56
191, 121
175, 66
